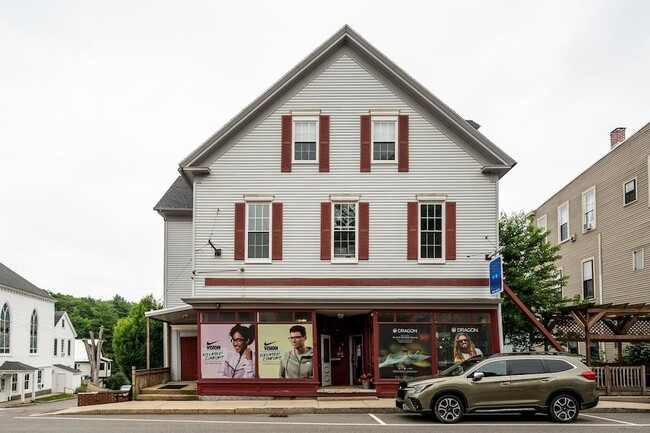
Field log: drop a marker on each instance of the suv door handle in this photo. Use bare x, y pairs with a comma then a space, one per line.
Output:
546, 379
505, 383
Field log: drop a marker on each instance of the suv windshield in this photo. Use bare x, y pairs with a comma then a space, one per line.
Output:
461, 367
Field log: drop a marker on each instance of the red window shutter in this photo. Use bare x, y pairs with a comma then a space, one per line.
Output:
326, 231
403, 143
240, 230
277, 231
285, 157
324, 144
366, 151
450, 230
412, 231
364, 230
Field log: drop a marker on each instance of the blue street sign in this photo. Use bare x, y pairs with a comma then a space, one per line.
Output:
496, 276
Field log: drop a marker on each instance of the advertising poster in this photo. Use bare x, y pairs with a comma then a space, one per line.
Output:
404, 350
274, 342
456, 343
227, 350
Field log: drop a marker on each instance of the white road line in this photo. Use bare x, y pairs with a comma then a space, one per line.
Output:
409, 425
609, 419
377, 419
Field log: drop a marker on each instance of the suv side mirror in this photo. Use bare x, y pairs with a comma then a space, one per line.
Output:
478, 375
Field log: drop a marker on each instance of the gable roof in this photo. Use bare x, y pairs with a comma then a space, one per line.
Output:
9, 278
80, 353
493, 158
66, 368
58, 315
177, 199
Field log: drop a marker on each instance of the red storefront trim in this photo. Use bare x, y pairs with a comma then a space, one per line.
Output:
355, 282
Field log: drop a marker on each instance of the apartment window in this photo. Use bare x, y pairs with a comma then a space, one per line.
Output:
345, 231
62, 347
384, 138
39, 378
588, 279
431, 231
102, 366
630, 191
26, 382
5, 329
62, 323
638, 259
69, 347
542, 223
305, 138
589, 209
563, 222
258, 232
14, 383
33, 333
56, 344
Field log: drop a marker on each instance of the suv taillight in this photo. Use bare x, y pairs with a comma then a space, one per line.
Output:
589, 375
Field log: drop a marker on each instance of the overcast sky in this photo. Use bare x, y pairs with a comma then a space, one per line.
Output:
100, 101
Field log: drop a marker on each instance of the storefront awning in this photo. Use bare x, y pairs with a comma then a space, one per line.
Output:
184, 314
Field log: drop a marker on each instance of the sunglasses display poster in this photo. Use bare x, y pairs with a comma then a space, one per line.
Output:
215, 344
273, 343
478, 336
404, 350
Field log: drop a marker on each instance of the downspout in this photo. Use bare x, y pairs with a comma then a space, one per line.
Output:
600, 268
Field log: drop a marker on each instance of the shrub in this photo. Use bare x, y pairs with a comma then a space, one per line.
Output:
82, 388
637, 354
117, 380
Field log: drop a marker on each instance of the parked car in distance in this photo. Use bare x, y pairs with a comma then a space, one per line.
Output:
555, 383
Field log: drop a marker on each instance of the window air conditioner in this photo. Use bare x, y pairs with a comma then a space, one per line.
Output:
40, 385
588, 226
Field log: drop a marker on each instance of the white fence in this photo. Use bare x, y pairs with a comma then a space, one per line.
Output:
621, 380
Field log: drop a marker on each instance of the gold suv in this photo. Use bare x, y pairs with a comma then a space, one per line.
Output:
554, 383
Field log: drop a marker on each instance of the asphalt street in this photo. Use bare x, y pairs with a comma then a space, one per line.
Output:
35, 418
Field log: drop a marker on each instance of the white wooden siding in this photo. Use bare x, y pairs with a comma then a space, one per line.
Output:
22, 305
178, 256
345, 91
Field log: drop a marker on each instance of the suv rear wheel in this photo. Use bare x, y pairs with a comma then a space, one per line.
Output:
448, 409
563, 408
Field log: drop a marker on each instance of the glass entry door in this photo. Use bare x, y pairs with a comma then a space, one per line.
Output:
356, 358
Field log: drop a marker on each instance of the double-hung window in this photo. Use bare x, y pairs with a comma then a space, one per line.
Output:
630, 191
588, 279
305, 138
258, 231
431, 231
14, 383
638, 260
344, 231
384, 138
542, 223
563, 222
589, 209
5, 329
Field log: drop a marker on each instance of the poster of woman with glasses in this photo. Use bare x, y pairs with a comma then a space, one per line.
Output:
227, 350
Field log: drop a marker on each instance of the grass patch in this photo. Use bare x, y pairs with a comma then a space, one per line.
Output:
54, 397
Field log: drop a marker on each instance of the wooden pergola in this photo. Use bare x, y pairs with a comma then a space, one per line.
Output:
617, 323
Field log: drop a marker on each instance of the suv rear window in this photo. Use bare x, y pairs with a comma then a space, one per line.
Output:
526, 366
558, 365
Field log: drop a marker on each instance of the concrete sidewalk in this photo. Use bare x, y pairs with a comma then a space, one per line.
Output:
287, 407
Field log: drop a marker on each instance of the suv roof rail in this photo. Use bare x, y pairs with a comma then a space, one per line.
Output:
530, 353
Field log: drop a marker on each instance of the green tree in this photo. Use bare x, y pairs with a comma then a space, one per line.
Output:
529, 270
637, 354
130, 338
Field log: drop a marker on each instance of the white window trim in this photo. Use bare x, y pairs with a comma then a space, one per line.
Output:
593, 276
636, 191
258, 199
584, 209
442, 259
341, 199
640, 251
304, 116
559, 223
383, 116
545, 226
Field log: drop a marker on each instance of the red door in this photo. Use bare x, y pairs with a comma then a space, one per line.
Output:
188, 358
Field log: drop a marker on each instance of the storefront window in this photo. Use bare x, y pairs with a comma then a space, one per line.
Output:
444, 317
286, 351
404, 350
456, 342
228, 350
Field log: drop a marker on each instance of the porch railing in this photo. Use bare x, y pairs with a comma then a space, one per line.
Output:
141, 379
621, 379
